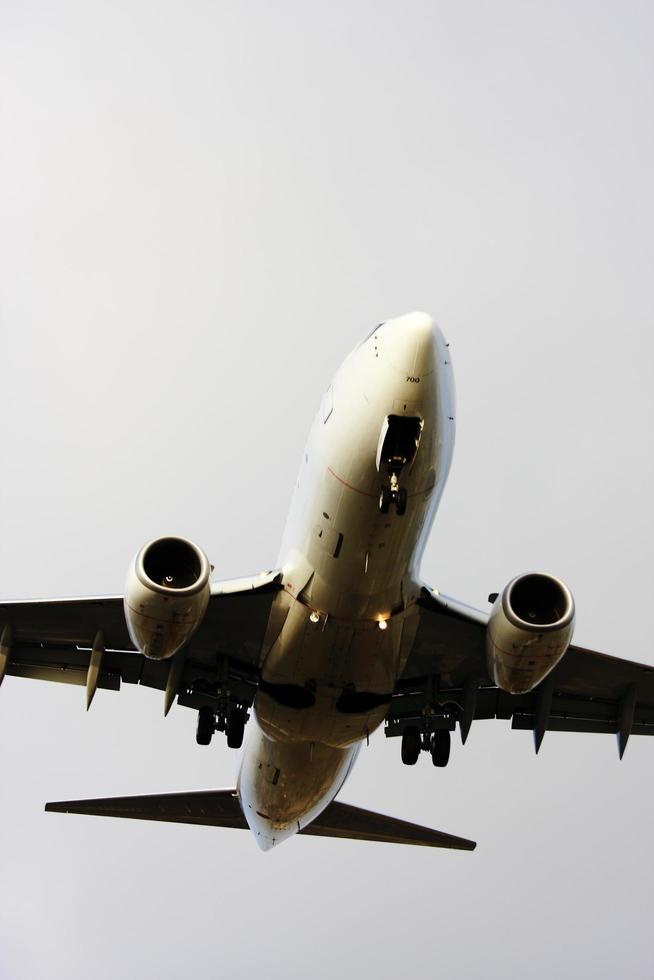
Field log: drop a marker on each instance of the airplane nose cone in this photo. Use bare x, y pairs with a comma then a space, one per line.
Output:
421, 324
409, 343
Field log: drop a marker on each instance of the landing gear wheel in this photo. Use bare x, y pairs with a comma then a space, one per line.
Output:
206, 725
410, 745
400, 503
385, 498
235, 728
440, 748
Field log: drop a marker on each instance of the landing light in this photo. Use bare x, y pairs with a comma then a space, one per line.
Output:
382, 624
314, 617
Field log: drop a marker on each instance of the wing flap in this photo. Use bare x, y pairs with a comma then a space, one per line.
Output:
64, 675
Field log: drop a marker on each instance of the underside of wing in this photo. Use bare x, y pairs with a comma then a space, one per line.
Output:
54, 640
221, 808
446, 681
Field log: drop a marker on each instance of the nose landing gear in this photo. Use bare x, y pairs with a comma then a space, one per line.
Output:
398, 444
393, 494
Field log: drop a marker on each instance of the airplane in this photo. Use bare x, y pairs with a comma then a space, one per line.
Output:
298, 666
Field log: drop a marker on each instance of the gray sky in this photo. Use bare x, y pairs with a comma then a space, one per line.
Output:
204, 207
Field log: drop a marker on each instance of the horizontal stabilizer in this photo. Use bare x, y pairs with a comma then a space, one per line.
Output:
210, 808
344, 820
221, 808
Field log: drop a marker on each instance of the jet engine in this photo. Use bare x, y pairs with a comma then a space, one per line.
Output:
529, 630
166, 595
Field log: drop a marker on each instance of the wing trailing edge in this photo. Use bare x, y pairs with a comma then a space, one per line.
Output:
221, 808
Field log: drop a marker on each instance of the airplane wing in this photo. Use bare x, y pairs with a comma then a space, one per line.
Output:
53, 640
446, 680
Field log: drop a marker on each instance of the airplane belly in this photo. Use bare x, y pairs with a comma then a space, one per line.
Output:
330, 680
283, 786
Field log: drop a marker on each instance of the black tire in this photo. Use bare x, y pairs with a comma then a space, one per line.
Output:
206, 725
410, 745
384, 500
440, 748
235, 728
400, 504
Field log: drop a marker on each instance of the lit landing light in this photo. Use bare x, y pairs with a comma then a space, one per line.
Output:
383, 624
314, 617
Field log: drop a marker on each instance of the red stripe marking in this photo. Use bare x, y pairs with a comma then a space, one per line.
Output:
416, 493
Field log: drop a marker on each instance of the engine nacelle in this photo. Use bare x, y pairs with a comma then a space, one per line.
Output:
529, 630
166, 595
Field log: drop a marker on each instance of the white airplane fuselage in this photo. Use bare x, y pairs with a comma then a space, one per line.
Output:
342, 628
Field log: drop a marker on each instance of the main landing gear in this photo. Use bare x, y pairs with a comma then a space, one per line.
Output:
437, 744
233, 725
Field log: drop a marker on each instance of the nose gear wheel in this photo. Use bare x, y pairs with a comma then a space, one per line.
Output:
393, 494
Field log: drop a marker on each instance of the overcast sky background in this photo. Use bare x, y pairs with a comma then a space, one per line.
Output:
204, 207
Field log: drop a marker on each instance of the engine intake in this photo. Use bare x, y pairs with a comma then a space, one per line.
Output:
166, 595
529, 630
